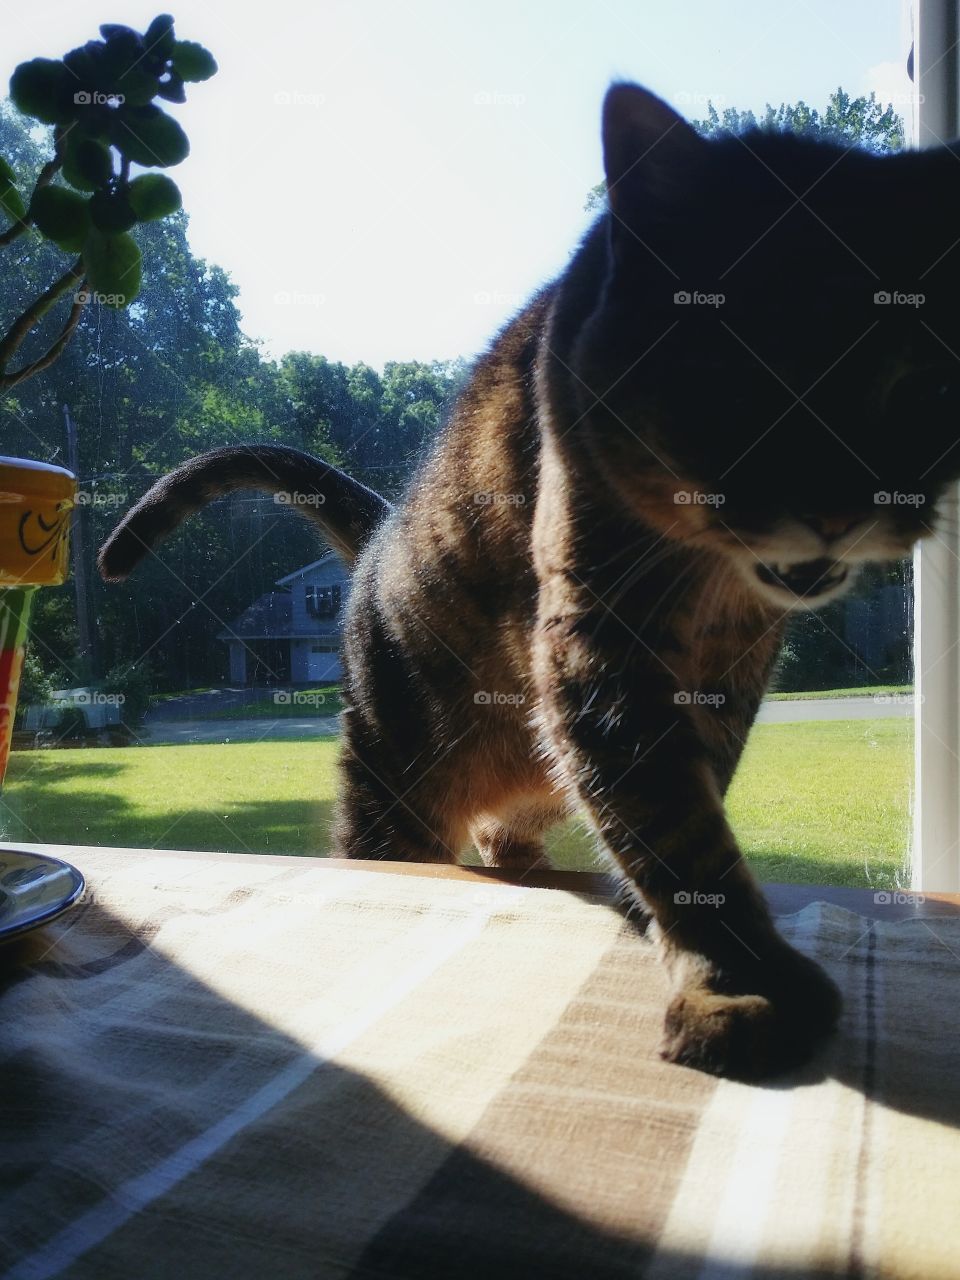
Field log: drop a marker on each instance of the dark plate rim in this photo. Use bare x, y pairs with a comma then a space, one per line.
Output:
16, 928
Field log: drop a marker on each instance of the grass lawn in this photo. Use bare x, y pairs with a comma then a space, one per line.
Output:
820, 802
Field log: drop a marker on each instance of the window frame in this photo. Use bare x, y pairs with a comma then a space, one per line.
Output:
935, 848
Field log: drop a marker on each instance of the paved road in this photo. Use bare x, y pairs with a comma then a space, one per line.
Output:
899, 706
186, 731
201, 730
197, 706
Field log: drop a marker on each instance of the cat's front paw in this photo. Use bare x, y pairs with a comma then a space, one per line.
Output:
771, 1021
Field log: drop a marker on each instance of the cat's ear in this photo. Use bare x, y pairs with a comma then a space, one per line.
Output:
649, 151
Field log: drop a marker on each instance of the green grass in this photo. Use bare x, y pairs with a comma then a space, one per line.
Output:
822, 802
867, 691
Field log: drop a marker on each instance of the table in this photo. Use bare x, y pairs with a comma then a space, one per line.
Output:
242, 1066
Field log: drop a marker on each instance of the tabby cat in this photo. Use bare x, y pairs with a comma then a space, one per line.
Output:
712, 418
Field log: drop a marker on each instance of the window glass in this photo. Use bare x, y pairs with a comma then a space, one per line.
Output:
418, 180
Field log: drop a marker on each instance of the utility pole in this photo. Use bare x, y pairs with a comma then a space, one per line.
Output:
86, 635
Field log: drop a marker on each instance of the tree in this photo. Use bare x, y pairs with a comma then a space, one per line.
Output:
862, 122
167, 378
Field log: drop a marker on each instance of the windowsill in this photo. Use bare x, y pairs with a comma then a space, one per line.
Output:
784, 899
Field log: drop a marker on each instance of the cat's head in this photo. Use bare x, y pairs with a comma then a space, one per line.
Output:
772, 369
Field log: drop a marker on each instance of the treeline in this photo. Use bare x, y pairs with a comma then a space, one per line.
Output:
167, 379
173, 376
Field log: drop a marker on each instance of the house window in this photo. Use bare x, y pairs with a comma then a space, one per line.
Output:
323, 602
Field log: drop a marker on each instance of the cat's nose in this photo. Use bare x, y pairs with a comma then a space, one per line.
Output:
830, 527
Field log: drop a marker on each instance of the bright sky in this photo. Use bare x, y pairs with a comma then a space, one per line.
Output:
389, 179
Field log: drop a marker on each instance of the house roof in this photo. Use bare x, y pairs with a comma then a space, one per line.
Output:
327, 557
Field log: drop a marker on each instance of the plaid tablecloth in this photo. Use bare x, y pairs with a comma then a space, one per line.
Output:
214, 1068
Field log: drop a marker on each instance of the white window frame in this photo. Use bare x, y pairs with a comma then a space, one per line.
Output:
935, 853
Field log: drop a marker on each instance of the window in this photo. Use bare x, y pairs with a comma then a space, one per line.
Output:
323, 602
936, 828
486, 230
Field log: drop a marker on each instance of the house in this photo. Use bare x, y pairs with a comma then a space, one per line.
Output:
292, 635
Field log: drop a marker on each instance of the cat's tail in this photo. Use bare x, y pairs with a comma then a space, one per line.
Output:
346, 511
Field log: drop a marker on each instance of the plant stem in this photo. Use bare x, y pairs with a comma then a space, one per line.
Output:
8, 380
36, 311
44, 178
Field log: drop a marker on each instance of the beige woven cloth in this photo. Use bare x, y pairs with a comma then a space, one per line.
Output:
216, 1068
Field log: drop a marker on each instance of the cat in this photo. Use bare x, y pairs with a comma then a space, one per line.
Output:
713, 417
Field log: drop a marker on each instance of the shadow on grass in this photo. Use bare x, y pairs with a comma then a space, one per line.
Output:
30, 811
879, 872
33, 809
58, 766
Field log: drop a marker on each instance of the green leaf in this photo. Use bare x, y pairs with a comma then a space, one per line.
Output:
114, 31
153, 196
113, 267
126, 75
159, 36
191, 61
7, 171
62, 216
43, 88
147, 136
95, 122
136, 86
112, 211
87, 165
11, 201
87, 63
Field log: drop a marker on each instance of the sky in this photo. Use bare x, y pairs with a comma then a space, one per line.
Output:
390, 179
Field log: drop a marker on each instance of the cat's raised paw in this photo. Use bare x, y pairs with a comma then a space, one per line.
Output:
750, 1036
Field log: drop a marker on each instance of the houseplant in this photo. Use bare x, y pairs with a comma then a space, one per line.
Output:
101, 101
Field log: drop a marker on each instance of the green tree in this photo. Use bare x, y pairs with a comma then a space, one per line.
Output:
862, 122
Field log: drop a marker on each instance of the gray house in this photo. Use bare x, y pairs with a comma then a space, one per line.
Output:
292, 635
